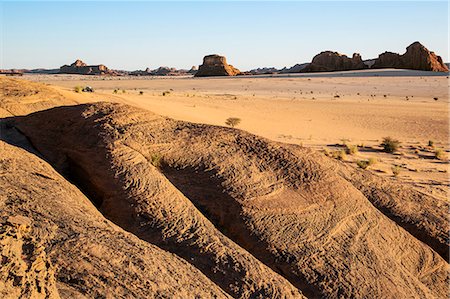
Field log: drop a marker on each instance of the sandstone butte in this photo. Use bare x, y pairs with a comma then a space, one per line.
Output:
215, 65
416, 57
108, 200
81, 68
333, 61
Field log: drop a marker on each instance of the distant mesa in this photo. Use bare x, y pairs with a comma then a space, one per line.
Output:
216, 65
81, 68
417, 57
329, 61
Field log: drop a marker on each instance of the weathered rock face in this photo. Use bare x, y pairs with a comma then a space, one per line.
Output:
81, 68
215, 65
417, 57
332, 61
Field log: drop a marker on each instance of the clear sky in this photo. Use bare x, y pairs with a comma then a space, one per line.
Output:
136, 35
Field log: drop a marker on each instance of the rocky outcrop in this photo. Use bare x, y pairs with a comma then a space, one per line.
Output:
329, 61
417, 57
215, 65
81, 68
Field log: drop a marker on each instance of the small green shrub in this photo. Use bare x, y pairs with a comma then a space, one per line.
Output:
232, 121
390, 145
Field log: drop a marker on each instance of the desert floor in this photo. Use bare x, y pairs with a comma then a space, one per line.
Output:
323, 111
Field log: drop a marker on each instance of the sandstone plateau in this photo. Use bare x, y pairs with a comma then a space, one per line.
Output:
215, 65
108, 200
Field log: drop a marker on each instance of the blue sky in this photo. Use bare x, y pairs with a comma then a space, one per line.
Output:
136, 35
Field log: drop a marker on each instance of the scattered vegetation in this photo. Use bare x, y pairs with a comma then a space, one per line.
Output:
232, 121
430, 143
78, 89
165, 93
115, 91
396, 170
435, 98
390, 145
124, 91
141, 92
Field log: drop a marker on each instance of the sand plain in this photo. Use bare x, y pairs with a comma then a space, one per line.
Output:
323, 111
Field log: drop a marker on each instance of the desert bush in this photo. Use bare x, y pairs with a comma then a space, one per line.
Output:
372, 161
232, 121
340, 155
327, 152
141, 93
156, 160
435, 98
362, 164
115, 91
396, 170
78, 89
430, 143
165, 93
439, 154
351, 149
124, 91
390, 145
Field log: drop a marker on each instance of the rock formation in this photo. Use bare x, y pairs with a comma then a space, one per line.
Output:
332, 61
215, 65
417, 57
81, 68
